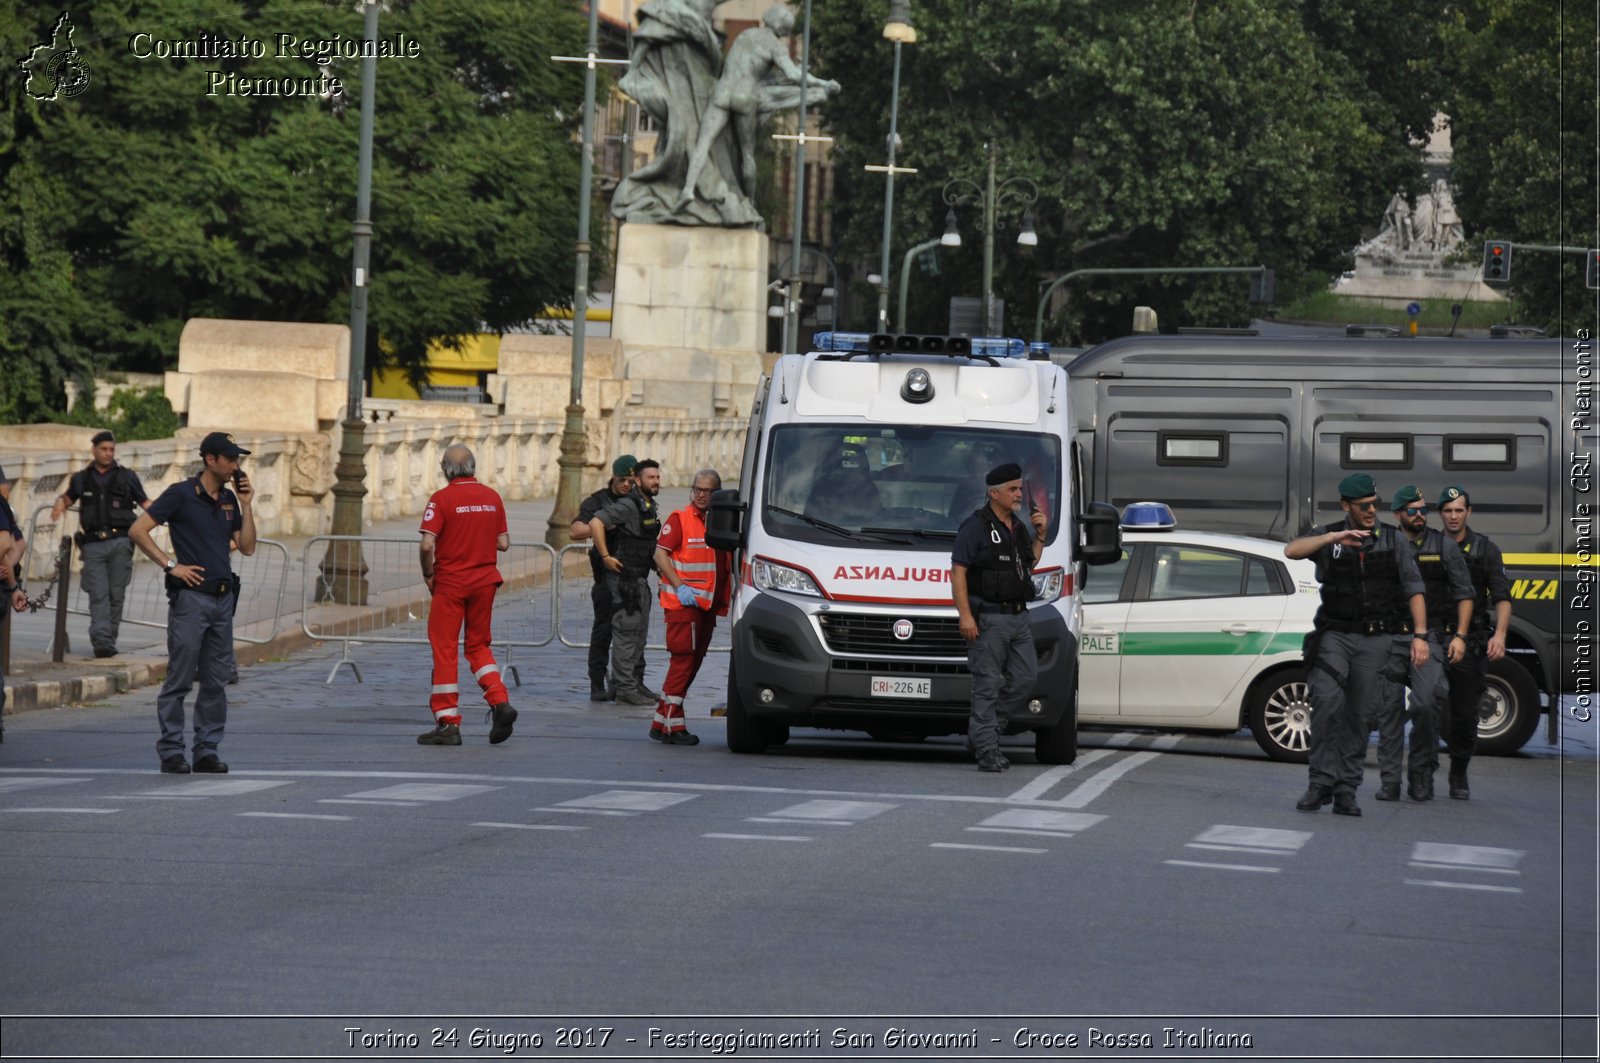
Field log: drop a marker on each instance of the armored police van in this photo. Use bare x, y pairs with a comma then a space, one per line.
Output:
861, 460
1251, 435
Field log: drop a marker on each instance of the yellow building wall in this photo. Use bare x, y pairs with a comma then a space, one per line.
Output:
447, 368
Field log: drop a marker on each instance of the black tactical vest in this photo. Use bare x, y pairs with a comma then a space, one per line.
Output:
1436, 596
1003, 565
1475, 553
1363, 586
638, 552
108, 509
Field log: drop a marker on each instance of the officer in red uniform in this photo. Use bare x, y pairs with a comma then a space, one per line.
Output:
695, 587
463, 528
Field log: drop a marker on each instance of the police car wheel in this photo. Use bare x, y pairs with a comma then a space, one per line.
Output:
1280, 715
1509, 712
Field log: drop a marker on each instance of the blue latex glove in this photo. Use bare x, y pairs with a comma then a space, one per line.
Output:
686, 595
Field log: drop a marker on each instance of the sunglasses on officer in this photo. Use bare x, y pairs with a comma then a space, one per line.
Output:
1371, 504
1416, 511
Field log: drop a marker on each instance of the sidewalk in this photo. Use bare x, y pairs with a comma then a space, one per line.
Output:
34, 681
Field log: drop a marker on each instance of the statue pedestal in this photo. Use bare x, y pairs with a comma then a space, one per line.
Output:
690, 311
1413, 277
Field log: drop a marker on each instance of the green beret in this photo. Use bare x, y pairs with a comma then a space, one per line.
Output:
623, 466
1357, 485
1405, 496
1451, 493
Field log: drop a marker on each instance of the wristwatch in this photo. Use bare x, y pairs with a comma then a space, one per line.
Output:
172, 563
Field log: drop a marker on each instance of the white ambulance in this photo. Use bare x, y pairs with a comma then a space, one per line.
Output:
861, 460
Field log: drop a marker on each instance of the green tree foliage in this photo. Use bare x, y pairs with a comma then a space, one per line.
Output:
154, 196
1523, 109
1218, 133
131, 413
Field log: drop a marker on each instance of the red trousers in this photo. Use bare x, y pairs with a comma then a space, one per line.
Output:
688, 635
445, 617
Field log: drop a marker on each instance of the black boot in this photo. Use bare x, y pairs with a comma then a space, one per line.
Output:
1420, 785
1314, 798
1458, 779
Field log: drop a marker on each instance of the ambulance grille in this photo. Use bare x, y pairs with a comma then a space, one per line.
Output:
873, 633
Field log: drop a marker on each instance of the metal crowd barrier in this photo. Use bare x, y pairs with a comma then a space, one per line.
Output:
264, 578
574, 599
364, 589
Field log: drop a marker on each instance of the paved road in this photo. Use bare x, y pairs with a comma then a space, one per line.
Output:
581, 876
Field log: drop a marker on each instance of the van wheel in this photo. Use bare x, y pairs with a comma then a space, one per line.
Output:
746, 734
1059, 744
1280, 716
1509, 712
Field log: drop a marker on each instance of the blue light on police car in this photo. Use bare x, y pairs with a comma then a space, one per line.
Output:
834, 342
1148, 516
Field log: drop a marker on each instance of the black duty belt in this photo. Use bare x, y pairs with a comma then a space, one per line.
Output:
1011, 608
1367, 627
109, 533
217, 587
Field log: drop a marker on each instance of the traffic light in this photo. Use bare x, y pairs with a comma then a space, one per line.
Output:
1591, 273
1497, 261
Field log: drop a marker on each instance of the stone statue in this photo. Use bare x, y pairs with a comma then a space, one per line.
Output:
675, 76
744, 95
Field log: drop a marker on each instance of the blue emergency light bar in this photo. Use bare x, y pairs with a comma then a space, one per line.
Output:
1148, 516
888, 343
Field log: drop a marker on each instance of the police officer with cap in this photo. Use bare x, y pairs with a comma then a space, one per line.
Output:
1362, 640
205, 518
1447, 593
991, 578
631, 525
106, 494
600, 596
1485, 639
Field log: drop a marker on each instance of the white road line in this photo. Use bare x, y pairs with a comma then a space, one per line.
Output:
629, 800
587, 811
294, 815
986, 848
1268, 839
70, 811
1101, 781
1043, 820
803, 822
1463, 867
358, 801
11, 786
425, 791
1462, 885
834, 811
1223, 867
1041, 783
761, 837
1024, 830
1236, 848
530, 826
1469, 857
156, 797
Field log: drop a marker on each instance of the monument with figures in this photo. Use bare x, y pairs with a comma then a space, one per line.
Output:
1415, 254
690, 296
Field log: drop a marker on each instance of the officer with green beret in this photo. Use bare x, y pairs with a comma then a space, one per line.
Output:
1361, 644
1447, 596
616, 488
1486, 638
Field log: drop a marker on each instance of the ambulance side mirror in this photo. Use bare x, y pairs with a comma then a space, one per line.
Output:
725, 520
1102, 534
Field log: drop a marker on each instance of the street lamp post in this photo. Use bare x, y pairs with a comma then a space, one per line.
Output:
898, 29
343, 575
791, 316
574, 448
950, 238
1019, 189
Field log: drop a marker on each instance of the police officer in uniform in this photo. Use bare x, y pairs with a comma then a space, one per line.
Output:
205, 518
616, 488
12, 546
1485, 641
1370, 627
624, 534
106, 494
991, 579
1447, 592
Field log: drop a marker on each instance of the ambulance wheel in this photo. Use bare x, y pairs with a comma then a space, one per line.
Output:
746, 734
1059, 744
1509, 712
1280, 715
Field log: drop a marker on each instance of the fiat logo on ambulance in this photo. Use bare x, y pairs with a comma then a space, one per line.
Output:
903, 629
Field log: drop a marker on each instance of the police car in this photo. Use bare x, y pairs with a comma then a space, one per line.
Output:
1198, 631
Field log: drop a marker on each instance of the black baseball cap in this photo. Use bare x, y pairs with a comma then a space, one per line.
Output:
222, 445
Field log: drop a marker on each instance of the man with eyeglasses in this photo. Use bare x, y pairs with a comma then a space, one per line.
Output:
1363, 638
696, 583
1485, 641
1447, 596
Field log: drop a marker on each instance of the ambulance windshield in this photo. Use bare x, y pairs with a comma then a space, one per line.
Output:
916, 482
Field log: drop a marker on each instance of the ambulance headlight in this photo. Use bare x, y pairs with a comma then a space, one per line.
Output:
918, 386
1047, 585
771, 576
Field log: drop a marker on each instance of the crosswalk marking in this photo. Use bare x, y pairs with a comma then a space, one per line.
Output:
424, 791
1462, 885
295, 815
803, 822
1465, 857
761, 837
358, 801
529, 826
987, 848
1039, 821
628, 801
1228, 837
69, 811
212, 788
834, 811
11, 786
1224, 867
